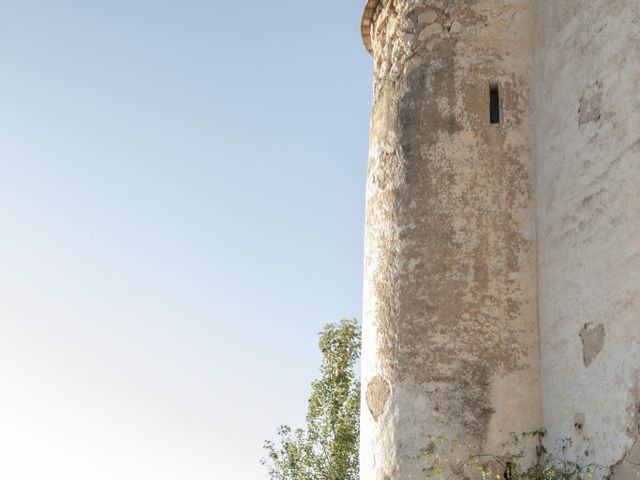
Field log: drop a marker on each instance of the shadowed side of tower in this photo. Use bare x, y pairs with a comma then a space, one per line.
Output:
450, 343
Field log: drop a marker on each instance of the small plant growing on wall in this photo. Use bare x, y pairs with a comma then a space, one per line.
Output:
504, 465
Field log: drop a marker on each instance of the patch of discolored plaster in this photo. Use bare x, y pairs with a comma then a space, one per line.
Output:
629, 467
592, 342
468, 396
377, 394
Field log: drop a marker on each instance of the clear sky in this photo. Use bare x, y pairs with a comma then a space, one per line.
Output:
181, 210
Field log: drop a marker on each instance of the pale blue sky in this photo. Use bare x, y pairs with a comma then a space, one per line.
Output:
181, 208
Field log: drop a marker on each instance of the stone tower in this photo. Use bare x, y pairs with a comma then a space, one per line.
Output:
450, 316
502, 131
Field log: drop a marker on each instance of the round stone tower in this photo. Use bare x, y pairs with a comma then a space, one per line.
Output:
450, 343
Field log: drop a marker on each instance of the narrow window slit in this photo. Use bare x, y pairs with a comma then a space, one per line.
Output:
494, 104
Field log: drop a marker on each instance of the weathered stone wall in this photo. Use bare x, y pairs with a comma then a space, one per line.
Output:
588, 154
450, 316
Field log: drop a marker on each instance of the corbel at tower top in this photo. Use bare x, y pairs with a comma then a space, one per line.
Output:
367, 19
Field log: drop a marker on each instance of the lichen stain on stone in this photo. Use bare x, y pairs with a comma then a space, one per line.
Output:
468, 397
377, 396
592, 342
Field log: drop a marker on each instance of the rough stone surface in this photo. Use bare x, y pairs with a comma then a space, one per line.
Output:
490, 247
450, 314
587, 124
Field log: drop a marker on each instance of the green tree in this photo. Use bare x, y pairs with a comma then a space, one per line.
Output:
327, 449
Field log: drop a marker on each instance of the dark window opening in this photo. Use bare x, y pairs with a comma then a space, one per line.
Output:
494, 105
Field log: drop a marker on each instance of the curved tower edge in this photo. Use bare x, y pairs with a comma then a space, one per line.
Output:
365, 24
